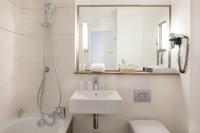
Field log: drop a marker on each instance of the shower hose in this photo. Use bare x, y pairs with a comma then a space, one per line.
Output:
48, 118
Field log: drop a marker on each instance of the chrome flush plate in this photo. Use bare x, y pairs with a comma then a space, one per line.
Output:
142, 95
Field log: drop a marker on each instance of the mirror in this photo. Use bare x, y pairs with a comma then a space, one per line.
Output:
115, 38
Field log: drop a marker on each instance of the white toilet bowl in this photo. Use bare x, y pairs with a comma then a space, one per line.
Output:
147, 126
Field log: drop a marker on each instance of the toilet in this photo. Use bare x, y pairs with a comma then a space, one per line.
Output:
147, 126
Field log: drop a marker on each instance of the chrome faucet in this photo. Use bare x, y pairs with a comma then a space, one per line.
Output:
95, 116
95, 83
59, 114
62, 112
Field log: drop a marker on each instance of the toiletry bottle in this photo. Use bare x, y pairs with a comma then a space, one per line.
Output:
19, 113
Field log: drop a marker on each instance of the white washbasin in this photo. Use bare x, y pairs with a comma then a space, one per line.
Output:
95, 102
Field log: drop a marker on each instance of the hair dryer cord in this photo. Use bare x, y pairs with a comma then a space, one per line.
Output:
183, 69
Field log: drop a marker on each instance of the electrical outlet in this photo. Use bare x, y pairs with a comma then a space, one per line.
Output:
142, 95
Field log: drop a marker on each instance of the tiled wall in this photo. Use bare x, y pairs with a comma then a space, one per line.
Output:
9, 35
29, 53
27, 57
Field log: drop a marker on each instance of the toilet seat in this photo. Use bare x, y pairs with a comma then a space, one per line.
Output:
147, 126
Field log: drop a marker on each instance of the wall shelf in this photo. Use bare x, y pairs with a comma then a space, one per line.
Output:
120, 73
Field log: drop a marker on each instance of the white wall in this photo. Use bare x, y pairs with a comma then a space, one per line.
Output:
195, 65
166, 90
181, 25
9, 17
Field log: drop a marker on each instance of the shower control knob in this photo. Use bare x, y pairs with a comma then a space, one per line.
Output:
46, 69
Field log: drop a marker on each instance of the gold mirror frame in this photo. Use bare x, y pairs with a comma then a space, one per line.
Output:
114, 71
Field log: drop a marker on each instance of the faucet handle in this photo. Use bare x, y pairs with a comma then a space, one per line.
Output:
96, 79
62, 112
96, 82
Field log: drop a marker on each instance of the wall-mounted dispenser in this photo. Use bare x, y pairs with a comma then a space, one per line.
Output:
179, 40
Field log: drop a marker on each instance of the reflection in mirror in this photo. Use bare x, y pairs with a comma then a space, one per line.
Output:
123, 37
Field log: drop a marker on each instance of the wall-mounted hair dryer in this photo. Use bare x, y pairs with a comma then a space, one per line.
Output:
179, 40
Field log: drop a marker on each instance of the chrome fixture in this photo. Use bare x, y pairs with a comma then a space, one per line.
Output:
180, 40
95, 83
96, 116
60, 114
160, 56
96, 121
49, 118
49, 8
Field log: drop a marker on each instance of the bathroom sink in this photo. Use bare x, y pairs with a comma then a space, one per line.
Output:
95, 102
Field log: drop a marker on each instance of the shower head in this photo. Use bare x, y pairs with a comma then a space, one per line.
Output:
48, 9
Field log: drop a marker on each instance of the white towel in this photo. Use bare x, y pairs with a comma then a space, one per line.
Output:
164, 70
97, 67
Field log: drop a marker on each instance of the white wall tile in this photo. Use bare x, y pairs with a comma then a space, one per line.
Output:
31, 21
40, 3
8, 15
29, 61
64, 21
7, 103
32, 3
17, 3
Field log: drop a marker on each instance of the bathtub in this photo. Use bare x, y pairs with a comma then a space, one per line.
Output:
28, 124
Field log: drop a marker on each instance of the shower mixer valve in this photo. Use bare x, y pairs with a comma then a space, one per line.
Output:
60, 114
46, 69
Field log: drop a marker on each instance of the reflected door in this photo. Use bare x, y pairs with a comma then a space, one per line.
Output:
103, 49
